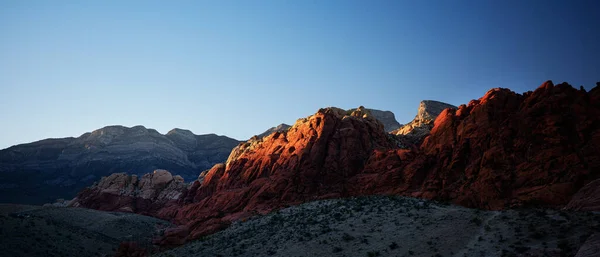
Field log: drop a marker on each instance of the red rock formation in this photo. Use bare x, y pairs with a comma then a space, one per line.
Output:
312, 160
500, 151
507, 149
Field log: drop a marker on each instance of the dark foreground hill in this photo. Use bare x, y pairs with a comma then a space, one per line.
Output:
48, 231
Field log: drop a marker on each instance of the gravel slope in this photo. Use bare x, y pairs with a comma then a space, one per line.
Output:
56, 231
397, 226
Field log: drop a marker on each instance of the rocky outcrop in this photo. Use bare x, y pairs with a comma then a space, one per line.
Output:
387, 118
591, 247
507, 149
587, 198
128, 193
503, 150
279, 128
313, 159
422, 124
59, 168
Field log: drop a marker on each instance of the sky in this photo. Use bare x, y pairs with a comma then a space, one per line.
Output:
237, 68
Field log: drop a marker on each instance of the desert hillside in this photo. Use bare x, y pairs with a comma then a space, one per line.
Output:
27, 230
398, 226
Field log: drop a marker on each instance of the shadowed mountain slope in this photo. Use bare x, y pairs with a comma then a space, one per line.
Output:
42, 171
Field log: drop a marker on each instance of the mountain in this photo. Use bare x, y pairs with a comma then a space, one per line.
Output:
423, 122
504, 150
42, 171
387, 118
279, 128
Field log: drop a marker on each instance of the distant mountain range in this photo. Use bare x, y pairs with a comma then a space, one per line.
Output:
42, 171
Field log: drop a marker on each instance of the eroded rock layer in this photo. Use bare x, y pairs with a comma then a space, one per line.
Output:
128, 193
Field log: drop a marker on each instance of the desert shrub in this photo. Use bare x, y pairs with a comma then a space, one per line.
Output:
537, 235
522, 249
373, 254
564, 245
583, 238
347, 237
477, 221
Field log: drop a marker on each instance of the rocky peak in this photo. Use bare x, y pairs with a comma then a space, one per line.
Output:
423, 121
327, 120
183, 138
429, 110
181, 133
106, 134
387, 118
279, 128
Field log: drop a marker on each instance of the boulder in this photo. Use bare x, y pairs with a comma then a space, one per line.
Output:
587, 198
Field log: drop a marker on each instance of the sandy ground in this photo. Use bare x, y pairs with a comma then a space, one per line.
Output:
397, 226
58, 231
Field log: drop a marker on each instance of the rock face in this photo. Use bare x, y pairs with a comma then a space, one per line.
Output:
279, 128
591, 247
507, 149
587, 198
127, 193
501, 151
42, 171
313, 159
422, 124
387, 118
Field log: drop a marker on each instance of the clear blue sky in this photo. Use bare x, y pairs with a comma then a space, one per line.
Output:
238, 68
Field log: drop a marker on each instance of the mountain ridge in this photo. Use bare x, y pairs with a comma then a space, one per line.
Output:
58, 168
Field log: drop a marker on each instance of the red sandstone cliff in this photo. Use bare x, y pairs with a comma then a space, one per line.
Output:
505, 150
